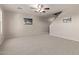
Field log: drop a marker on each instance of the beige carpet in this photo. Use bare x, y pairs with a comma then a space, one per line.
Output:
39, 45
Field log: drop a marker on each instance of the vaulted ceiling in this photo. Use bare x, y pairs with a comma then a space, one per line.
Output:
25, 8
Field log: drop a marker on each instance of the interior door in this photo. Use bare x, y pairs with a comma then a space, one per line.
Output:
0, 26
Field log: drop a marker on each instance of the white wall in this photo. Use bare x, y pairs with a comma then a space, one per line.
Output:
66, 30
14, 25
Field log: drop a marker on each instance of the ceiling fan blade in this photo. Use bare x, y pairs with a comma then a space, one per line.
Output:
44, 11
57, 13
46, 8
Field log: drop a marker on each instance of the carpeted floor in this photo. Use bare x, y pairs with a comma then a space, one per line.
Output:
39, 45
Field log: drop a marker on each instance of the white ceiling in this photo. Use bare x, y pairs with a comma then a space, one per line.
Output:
66, 8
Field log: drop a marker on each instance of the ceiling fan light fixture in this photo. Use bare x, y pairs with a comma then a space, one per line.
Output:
40, 8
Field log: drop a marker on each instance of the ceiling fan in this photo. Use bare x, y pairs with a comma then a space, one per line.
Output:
40, 8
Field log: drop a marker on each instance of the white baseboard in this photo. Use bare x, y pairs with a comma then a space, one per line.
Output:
25, 35
68, 38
